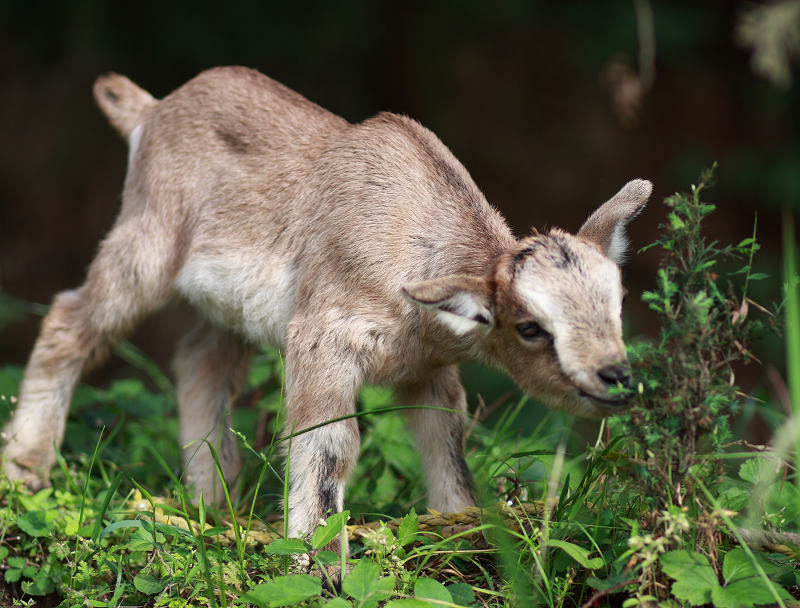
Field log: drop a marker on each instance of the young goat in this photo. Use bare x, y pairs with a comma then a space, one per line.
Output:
364, 250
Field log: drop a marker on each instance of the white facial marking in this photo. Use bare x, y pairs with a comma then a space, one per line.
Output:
579, 303
540, 301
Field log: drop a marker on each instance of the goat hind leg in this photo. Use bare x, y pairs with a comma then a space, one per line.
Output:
122, 285
211, 366
440, 437
55, 364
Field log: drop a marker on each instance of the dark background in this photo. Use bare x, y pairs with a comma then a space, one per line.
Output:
526, 93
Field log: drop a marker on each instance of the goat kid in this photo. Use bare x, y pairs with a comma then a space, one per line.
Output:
364, 250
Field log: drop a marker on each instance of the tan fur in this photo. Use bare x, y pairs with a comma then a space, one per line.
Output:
364, 250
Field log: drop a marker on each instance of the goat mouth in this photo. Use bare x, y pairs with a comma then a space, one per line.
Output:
620, 401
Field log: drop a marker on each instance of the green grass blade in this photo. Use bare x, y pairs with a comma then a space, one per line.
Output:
792, 320
110, 491
84, 492
135, 357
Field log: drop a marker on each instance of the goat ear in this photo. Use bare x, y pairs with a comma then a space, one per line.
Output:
462, 303
606, 226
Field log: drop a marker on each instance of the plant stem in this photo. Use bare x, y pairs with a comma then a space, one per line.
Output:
792, 322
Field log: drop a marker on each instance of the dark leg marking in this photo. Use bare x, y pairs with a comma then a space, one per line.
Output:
459, 464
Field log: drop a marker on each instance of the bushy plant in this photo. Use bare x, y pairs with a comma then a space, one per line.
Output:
687, 391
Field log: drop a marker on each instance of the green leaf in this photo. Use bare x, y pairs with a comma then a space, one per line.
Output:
737, 566
148, 584
676, 222
462, 593
365, 584
758, 276
407, 530
284, 590
409, 602
39, 585
375, 396
3, 552
579, 554
145, 525
384, 588
744, 585
640, 600
328, 557
261, 370
734, 498
17, 562
332, 528
213, 531
430, 589
286, 546
694, 578
601, 584
36, 502
745, 594
757, 470
337, 602
13, 575
142, 540
360, 581
37, 523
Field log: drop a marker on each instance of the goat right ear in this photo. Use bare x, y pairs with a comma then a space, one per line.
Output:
606, 226
462, 303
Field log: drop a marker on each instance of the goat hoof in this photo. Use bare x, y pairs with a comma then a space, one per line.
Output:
30, 478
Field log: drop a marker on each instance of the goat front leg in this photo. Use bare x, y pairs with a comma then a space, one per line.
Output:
440, 437
322, 383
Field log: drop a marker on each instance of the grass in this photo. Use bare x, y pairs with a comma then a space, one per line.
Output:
792, 318
117, 526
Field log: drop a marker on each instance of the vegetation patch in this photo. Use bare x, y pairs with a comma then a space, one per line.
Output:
669, 506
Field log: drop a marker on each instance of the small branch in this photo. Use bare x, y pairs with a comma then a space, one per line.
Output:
786, 543
752, 446
647, 43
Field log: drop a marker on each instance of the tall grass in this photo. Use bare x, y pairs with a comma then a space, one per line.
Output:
792, 315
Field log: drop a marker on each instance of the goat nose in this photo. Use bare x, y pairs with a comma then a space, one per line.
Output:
613, 374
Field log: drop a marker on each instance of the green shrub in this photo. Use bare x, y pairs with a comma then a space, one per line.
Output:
687, 391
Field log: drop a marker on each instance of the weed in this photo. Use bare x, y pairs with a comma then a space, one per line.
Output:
687, 391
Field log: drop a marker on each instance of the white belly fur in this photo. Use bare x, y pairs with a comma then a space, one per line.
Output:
254, 299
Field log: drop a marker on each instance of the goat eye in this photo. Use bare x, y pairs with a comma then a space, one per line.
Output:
530, 330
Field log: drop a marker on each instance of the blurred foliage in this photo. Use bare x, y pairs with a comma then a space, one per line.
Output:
772, 31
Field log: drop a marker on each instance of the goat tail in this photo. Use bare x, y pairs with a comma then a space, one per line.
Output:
123, 102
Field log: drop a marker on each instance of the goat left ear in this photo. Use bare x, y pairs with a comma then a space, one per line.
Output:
463, 303
606, 226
